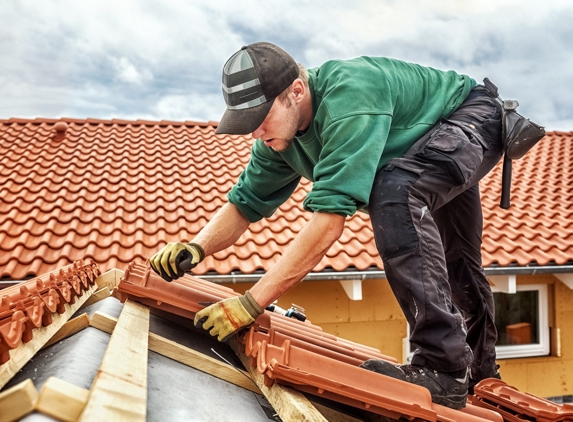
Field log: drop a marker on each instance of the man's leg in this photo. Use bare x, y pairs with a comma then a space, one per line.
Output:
460, 222
406, 194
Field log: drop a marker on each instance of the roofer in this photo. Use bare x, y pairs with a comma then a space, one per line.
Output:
406, 143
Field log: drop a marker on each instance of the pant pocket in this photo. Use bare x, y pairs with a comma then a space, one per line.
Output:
451, 149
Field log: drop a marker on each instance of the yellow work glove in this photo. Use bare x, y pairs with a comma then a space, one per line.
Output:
175, 258
224, 318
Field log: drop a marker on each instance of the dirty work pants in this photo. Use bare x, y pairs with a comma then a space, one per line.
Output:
426, 216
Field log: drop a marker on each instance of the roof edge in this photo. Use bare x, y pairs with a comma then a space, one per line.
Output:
372, 274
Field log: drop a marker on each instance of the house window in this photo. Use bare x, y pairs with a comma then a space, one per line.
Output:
522, 323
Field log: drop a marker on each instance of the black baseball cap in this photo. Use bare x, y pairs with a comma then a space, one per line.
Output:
252, 78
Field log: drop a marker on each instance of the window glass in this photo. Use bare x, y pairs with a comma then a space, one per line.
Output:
517, 317
521, 320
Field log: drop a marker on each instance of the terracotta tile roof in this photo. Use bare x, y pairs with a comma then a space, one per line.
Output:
538, 228
300, 354
116, 190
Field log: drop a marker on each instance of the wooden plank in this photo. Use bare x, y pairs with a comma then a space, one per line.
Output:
291, 405
62, 400
119, 391
103, 322
100, 294
109, 279
70, 328
207, 364
23, 353
18, 401
184, 355
333, 415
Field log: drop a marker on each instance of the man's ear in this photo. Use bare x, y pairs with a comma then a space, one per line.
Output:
298, 90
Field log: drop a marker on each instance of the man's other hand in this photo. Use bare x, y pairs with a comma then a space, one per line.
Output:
175, 258
224, 318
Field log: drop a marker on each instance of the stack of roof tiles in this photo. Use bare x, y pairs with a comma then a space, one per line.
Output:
116, 191
31, 304
516, 406
300, 355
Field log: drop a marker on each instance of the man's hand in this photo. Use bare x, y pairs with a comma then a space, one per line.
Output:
224, 318
175, 258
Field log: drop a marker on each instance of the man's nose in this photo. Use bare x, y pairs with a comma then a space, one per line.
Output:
258, 132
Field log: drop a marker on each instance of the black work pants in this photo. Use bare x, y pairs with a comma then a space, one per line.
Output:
426, 216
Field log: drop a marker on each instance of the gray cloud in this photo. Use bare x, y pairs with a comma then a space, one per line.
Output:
162, 60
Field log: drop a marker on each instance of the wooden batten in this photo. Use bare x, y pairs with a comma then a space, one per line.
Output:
17, 401
184, 355
291, 405
62, 400
119, 391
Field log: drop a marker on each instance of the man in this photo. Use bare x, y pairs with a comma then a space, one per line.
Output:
404, 142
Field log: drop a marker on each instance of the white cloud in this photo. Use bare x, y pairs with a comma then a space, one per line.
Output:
127, 72
189, 107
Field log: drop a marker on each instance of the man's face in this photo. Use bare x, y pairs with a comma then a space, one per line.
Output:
280, 126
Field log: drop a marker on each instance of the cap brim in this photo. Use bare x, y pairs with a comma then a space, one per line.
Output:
242, 122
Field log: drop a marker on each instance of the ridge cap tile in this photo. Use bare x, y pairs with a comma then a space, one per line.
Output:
30, 304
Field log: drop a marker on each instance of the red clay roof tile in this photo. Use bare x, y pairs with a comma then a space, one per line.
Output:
30, 304
118, 190
516, 406
300, 354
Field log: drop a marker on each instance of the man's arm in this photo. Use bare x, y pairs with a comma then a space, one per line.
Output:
222, 231
228, 316
302, 255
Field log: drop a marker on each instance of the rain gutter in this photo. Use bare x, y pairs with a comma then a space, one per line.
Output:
377, 274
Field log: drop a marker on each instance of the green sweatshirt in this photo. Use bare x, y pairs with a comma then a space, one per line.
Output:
366, 111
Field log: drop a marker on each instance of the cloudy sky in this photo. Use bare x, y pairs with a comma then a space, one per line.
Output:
162, 60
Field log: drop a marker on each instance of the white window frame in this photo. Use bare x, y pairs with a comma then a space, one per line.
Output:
535, 349
518, 350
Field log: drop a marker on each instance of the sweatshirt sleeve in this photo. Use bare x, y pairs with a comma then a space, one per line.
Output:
265, 184
348, 163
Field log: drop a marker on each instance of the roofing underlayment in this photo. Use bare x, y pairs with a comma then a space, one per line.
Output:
116, 191
89, 376
67, 370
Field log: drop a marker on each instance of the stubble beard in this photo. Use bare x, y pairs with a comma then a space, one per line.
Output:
293, 122
288, 143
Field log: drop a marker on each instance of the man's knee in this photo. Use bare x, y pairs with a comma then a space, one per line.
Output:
389, 210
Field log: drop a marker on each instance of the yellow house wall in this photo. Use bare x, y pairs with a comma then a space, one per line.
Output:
377, 321
547, 376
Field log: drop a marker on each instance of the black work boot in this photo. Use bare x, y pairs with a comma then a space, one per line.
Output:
444, 388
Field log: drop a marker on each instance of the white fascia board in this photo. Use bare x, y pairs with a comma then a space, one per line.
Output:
503, 283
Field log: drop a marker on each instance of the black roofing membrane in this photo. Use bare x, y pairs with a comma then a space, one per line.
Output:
175, 392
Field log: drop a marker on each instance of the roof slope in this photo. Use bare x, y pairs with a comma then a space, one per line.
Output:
276, 349
117, 191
